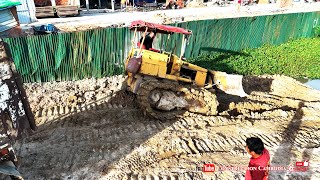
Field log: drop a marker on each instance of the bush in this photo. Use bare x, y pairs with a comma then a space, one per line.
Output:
297, 58
317, 31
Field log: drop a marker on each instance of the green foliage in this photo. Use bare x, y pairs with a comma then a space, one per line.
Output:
317, 31
297, 58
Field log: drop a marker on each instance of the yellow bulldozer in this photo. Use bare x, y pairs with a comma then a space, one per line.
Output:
167, 86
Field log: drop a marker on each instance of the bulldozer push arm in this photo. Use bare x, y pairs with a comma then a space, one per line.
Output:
229, 83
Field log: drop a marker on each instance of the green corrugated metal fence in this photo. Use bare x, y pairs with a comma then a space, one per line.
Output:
247, 32
70, 56
101, 52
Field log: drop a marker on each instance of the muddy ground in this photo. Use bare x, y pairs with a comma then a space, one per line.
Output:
91, 129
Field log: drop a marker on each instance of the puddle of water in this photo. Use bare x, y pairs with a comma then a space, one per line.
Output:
315, 83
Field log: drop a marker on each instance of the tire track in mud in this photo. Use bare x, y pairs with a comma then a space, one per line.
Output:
44, 115
89, 139
199, 135
222, 141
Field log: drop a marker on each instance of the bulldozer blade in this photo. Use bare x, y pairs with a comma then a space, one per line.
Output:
229, 83
8, 168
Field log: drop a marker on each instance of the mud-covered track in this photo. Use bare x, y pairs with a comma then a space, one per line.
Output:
199, 100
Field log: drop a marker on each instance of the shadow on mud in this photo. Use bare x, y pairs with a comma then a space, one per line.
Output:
284, 154
249, 84
226, 99
254, 83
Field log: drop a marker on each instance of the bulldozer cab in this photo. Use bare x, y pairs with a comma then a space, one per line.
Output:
146, 27
170, 64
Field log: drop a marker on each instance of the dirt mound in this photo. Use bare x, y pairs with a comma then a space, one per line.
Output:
282, 86
71, 93
106, 136
270, 93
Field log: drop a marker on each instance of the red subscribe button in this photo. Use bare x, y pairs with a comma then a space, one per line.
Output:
208, 168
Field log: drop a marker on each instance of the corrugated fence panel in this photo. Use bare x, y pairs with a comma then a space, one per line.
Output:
7, 20
26, 11
101, 52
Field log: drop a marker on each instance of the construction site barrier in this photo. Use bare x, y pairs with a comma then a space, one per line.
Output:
101, 52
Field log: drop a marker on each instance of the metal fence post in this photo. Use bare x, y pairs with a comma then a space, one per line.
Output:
112, 5
87, 5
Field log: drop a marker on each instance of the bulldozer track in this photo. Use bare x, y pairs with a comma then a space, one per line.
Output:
200, 100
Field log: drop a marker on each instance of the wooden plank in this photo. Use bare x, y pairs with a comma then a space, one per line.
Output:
67, 7
67, 10
66, 13
46, 11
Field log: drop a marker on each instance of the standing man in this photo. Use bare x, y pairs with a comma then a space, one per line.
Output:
148, 40
259, 161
